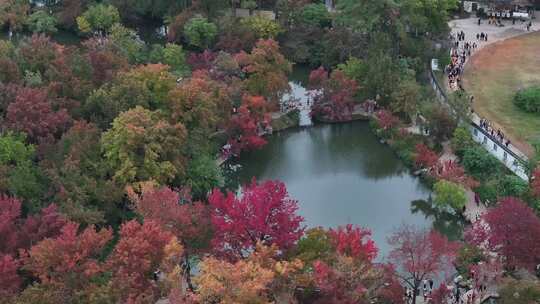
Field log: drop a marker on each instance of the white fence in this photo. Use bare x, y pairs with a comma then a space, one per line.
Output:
513, 161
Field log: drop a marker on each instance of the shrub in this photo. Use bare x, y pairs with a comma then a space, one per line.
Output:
487, 192
511, 185
528, 99
479, 163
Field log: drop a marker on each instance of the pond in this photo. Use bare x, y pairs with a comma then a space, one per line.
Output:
149, 32
62, 36
341, 174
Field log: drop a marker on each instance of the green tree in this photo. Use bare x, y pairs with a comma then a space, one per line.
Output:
316, 14
315, 245
200, 32
19, 175
353, 68
448, 194
41, 22
172, 55
406, 98
462, 139
142, 146
262, 27
146, 85
364, 15
203, 175
98, 18
467, 256
440, 123
426, 15
127, 42
382, 74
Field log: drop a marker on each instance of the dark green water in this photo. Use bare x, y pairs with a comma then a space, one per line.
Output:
341, 174
62, 37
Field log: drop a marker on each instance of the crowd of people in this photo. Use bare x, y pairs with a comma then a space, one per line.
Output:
426, 289
370, 106
498, 135
473, 290
459, 54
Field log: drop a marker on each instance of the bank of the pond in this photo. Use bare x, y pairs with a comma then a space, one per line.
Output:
341, 174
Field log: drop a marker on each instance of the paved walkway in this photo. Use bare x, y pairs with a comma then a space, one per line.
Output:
495, 33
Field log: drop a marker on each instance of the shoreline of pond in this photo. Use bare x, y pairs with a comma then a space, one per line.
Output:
340, 173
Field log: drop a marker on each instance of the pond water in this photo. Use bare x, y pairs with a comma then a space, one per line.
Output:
341, 174
62, 37
150, 33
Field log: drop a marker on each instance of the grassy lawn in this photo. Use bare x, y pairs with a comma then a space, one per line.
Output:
493, 76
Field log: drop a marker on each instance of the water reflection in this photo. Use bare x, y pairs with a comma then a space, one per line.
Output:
447, 223
340, 174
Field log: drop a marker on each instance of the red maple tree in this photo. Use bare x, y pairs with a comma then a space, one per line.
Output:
420, 254
247, 127
510, 229
334, 97
386, 120
9, 278
441, 294
262, 213
138, 253
265, 70
201, 61
20, 233
342, 282
353, 241
425, 157
174, 211
70, 260
32, 113
452, 171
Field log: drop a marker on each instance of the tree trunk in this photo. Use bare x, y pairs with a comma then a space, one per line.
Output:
187, 271
415, 292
